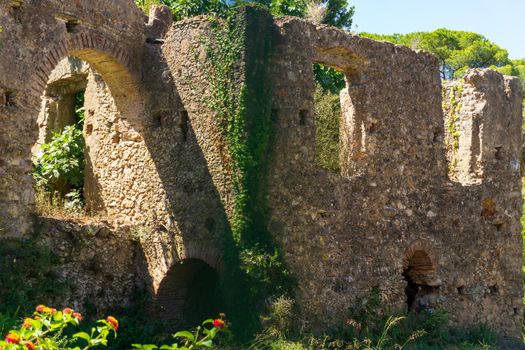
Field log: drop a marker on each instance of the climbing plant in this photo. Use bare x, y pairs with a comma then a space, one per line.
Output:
242, 108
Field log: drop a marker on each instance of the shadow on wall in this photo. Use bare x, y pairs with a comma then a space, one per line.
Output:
192, 218
197, 228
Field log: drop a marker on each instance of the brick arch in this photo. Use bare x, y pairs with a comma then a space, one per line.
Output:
188, 294
208, 254
110, 59
422, 255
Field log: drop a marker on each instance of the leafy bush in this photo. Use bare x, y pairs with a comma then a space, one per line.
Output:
27, 277
60, 164
202, 337
45, 331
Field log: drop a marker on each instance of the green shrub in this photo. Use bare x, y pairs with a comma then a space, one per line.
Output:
45, 331
327, 119
27, 277
60, 164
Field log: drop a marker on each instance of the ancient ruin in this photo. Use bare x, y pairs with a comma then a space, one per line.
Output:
425, 210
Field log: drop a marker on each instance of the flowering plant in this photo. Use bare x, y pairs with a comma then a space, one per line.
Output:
201, 338
43, 331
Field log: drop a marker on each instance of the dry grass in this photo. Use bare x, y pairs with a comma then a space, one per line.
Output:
315, 11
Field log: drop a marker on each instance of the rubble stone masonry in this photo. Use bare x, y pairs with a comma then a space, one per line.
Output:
426, 209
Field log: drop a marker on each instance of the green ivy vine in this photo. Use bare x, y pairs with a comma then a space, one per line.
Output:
237, 69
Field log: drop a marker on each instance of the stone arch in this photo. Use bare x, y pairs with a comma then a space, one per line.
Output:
106, 56
188, 294
419, 271
115, 74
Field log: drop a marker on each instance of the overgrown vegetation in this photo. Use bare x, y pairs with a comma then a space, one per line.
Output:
327, 119
59, 166
27, 278
338, 12
456, 50
243, 115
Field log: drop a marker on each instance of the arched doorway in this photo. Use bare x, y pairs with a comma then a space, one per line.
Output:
188, 295
121, 178
419, 272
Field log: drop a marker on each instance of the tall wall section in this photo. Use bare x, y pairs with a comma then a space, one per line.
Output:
146, 177
396, 219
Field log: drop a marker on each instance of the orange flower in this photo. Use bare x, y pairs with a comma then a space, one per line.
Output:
218, 323
67, 311
40, 308
113, 321
29, 345
12, 338
27, 323
77, 315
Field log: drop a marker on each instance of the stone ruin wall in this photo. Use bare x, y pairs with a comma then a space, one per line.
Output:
405, 204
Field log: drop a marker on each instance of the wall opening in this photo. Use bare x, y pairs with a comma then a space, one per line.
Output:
329, 84
421, 286
72, 25
9, 99
184, 124
188, 294
59, 152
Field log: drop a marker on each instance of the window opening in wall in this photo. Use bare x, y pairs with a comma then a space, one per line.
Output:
184, 121
188, 294
421, 287
72, 25
303, 117
9, 99
59, 158
329, 83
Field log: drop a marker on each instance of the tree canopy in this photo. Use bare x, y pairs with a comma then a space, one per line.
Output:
338, 12
456, 50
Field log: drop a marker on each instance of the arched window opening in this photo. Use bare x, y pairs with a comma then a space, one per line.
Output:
188, 294
422, 285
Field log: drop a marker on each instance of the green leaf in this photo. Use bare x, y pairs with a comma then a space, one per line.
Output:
206, 343
144, 347
185, 334
82, 335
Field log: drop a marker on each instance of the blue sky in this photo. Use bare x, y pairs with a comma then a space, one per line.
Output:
502, 22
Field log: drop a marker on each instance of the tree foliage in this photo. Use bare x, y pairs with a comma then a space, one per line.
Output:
456, 50
515, 68
339, 13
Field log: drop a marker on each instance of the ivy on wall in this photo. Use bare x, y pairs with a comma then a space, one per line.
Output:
237, 61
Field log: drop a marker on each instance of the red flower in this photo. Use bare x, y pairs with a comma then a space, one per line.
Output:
218, 323
29, 345
113, 321
40, 308
67, 311
77, 315
12, 338
27, 323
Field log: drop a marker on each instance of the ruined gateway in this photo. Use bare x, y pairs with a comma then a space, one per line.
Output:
425, 206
